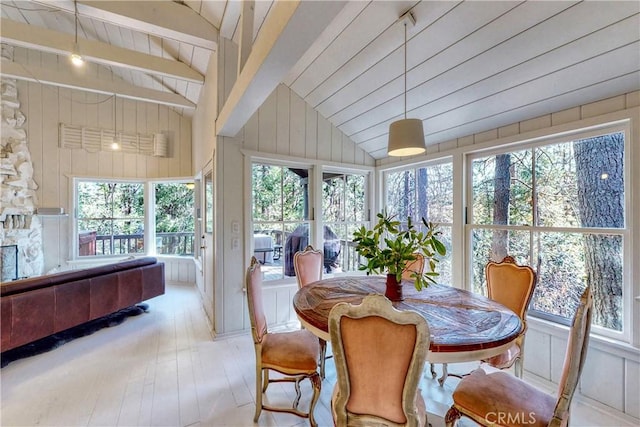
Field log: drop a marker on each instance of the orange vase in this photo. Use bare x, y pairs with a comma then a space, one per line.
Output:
394, 288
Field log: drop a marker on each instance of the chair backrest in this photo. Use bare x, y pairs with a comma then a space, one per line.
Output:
308, 266
379, 354
416, 265
574, 358
254, 298
510, 284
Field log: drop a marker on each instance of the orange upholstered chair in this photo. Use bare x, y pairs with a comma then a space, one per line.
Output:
511, 285
379, 354
308, 267
415, 266
505, 400
294, 354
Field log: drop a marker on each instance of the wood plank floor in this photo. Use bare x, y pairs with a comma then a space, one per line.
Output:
162, 368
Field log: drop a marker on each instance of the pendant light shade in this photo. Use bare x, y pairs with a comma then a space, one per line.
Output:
406, 136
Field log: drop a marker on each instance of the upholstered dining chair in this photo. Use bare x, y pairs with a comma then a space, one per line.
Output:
293, 354
503, 399
308, 265
415, 266
379, 354
511, 285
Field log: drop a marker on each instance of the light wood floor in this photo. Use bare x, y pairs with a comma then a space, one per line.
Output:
162, 368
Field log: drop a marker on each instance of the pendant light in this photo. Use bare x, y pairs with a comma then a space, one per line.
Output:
115, 144
76, 58
406, 136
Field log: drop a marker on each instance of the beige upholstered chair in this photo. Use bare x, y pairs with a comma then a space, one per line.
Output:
294, 354
511, 285
308, 267
379, 354
416, 266
502, 399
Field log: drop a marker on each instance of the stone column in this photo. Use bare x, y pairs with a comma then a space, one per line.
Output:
18, 200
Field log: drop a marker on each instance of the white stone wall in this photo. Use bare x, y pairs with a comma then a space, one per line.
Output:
18, 200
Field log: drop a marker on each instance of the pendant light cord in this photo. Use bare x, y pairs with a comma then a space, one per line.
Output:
75, 6
405, 69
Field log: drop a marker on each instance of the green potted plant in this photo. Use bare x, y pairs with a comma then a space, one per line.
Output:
388, 250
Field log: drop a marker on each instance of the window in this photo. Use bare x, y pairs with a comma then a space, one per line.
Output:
344, 209
425, 192
110, 218
280, 213
174, 218
559, 207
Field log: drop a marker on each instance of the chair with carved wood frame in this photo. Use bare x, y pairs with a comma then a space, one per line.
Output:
379, 354
308, 266
503, 399
511, 285
293, 354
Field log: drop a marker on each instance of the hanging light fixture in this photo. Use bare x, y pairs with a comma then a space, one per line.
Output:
115, 144
406, 136
76, 58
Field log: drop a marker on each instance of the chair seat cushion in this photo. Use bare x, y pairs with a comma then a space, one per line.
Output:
503, 399
291, 351
506, 359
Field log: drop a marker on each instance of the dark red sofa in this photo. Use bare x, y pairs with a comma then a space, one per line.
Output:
39, 306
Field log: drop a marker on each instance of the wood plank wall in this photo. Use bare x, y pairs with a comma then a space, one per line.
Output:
46, 106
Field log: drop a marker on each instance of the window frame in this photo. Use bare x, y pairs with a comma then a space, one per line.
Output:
149, 215
622, 126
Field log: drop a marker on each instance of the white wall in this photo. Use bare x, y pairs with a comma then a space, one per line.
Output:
47, 106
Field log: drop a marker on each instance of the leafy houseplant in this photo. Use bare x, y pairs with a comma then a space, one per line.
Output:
389, 249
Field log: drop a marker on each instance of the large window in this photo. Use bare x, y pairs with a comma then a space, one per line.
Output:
425, 192
111, 218
559, 207
344, 209
280, 213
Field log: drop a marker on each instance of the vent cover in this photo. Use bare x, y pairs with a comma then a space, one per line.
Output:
94, 140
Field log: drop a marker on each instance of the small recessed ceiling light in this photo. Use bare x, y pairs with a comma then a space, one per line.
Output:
604, 175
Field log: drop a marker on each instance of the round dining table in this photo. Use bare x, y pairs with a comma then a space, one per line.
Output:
464, 326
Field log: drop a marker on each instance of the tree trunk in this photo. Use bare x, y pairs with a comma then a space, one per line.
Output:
501, 191
600, 180
421, 189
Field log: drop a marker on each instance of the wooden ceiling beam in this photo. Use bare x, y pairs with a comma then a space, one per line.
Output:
71, 80
166, 19
289, 30
42, 39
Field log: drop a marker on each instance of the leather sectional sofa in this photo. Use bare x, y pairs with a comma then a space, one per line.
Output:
39, 306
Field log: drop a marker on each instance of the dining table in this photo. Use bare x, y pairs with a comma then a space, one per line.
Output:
464, 326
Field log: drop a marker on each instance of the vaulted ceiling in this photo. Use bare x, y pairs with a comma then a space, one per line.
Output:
471, 66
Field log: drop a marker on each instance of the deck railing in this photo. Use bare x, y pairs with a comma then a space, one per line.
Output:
180, 243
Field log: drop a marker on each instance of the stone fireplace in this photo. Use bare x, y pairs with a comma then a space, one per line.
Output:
18, 201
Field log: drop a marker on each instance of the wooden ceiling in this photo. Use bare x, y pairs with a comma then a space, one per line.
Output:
471, 66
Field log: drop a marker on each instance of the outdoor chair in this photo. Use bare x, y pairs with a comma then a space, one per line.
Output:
379, 354
293, 354
506, 400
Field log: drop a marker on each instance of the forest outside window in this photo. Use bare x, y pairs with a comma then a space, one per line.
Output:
111, 218
280, 215
559, 207
344, 209
424, 192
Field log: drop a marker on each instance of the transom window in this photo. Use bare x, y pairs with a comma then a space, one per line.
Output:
559, 207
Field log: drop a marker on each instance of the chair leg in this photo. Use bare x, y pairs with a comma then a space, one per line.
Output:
323, 356
265, 380
445, 374
433, 371
316, 382
452, 416
519, 367
298, 392
259, 392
